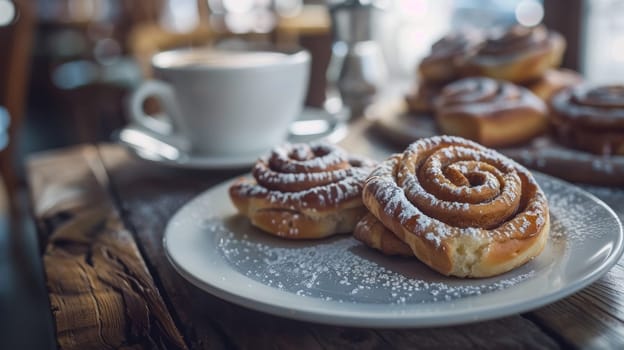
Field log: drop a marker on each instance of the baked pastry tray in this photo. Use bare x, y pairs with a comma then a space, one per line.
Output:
392, 120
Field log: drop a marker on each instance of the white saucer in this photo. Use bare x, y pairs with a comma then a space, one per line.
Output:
313, 124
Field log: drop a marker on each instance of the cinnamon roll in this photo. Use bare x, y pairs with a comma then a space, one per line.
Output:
591, 118
462, 209
553, 81
422, 100
303, 191
374, 234
440, 67
447, 55
518, 54
492, 112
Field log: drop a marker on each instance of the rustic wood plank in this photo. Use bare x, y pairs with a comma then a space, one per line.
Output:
506, 333
150, 195
101, 293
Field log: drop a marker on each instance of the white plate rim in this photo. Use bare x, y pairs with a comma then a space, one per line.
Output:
330, 316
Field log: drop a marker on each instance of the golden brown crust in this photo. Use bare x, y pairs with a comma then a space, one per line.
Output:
303, 191
464, 210
422, 99
518, 54
374, 234
444, 62
591, 118
553, 81
491, 112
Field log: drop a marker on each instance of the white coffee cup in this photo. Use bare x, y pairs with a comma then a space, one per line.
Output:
224, 103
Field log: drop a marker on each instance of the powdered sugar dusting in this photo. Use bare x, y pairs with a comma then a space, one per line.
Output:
301, 176
341, 270
416, 188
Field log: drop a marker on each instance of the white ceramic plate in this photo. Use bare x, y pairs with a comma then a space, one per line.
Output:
339, 281
313, 124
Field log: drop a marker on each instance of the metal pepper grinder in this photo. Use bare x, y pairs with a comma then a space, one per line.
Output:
357, 68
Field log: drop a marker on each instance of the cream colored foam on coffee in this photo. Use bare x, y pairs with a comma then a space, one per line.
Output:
218, 59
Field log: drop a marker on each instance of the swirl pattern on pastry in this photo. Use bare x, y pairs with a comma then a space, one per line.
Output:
491, 112
303, 191
447, 55
462, 209
591, 118
517, 54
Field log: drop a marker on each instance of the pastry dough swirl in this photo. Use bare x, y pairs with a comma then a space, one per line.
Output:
492, 112
463, 209
447, 55
303, 191
518, 54
591, 118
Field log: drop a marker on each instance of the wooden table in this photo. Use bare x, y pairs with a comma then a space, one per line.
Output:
101, 216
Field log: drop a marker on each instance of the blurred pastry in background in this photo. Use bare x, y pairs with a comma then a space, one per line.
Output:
442, 66
421, 100
492, 112
518, 54
590, 118
447, 55
553, 81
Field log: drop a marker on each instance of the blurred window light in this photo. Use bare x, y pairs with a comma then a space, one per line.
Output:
239, 22
216, 6
288, 8
75, 74
238, 6
617, 49
265, 21
7, 12
245, 16
416, 8
407, 28
602, 41
181, 16
529, 12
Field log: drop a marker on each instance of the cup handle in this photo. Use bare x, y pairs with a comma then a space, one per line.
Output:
169, 124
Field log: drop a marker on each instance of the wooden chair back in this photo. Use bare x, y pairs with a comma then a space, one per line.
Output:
16, 40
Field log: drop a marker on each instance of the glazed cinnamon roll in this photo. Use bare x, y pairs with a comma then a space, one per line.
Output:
447, 55
303, 191
462, 209
518, 54
491, 112
374, 234
591, 118
422, 100
440, 67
